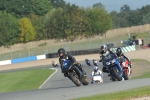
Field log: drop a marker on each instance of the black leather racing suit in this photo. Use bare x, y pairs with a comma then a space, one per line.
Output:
72, 59
122, 56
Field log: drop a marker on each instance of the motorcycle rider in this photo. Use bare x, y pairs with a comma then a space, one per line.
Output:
63, 55
121, 55
96, 72
88, 62
54, 63
103, 52
95, 62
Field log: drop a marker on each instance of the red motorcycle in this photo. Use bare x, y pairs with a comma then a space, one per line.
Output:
126, 69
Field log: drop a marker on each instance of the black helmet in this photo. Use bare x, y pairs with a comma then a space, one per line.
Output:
119, 52
61, 51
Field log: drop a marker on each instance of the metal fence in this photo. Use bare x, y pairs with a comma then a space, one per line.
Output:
69, 46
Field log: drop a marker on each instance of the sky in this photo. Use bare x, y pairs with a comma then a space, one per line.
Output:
111, 5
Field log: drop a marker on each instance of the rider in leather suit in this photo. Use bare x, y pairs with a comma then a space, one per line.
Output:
103, 52
121, 56
63, 55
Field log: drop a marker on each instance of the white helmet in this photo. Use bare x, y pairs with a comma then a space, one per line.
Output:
95, 62
95, 68
103, 48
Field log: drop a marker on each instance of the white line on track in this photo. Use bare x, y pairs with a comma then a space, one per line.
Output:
48, 77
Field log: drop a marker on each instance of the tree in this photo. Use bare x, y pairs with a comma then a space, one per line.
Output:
125, 8
38, 24
22, 8
27, 32
75, 23
114, 18
98, 5
65, 23
18, 8
124, 15
146, 19
8, 29
54, 24
99, 21
40, 7
58, 3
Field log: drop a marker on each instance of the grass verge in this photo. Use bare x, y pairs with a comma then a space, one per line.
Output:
23, 80
127, 94
146, 74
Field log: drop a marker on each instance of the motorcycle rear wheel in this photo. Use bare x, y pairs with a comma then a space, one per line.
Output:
125, 75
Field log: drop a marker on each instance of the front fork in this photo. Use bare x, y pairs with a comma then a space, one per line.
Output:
119, 68
78, 71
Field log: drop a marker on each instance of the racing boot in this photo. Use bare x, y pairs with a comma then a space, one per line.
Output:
65, 74
122, 79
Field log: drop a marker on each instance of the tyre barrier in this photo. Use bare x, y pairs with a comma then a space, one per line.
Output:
55, 55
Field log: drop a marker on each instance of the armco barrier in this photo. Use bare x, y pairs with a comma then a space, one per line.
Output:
25, 59
54, 55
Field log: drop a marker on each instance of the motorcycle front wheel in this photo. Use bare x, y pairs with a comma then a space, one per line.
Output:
74, 78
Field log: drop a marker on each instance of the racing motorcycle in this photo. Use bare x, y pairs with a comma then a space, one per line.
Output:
54, 64
74, 73
126, 68
95, 63
112, 64
97, 78
87, 61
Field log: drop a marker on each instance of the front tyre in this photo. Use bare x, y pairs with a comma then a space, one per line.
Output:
84, 80
116, 74
74, 79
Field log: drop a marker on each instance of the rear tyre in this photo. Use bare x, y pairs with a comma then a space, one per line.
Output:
125, 75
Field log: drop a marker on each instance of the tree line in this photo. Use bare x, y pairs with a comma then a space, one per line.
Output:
34, 20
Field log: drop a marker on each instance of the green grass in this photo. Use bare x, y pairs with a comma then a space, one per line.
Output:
23, 80
144, 75
131, 93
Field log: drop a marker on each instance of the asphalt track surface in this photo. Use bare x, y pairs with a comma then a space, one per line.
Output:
58, 87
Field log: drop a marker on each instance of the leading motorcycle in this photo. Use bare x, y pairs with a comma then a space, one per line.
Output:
74, 73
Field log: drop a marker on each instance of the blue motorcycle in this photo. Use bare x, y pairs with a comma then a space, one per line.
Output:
113, 66
87, 61
74, 73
